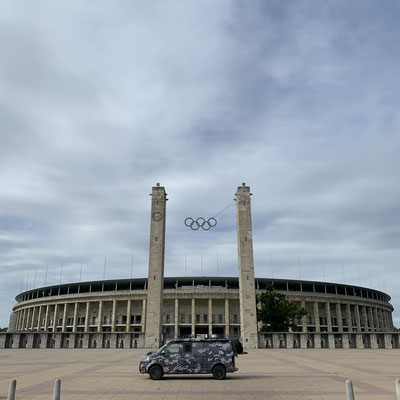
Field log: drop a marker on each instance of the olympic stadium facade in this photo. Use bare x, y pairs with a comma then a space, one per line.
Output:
138, 313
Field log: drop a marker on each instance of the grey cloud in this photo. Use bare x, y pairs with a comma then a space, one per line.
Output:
297, 99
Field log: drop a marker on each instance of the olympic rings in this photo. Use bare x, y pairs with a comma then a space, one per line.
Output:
200, 222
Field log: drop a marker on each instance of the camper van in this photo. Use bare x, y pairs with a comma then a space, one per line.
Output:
192, 356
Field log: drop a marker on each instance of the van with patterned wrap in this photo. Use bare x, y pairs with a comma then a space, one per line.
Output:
192, 356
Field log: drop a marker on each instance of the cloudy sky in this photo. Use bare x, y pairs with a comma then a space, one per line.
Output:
101, 100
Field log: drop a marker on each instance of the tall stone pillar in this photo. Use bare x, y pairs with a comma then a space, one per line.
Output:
39, 323
114, 315
99, 316
128, 315
316, 317
339, 316
87, 322
143, 314
328, 316
155, 280
64, 322
304, 317
227, 318
364, 318
32, 322
358, 319
193, 317
75, 318
376, 319
349, 318
176, 318
371, 319
28, 319
210, 317
46, 319
247, 292
55, 322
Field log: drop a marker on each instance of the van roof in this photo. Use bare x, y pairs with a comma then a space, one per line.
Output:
208, 340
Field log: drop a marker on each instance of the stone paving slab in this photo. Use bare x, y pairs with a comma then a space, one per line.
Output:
263, 374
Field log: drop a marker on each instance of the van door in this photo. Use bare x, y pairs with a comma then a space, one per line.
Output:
190, 362
170, 358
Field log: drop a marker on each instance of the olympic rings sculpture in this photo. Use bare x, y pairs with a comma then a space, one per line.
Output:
200, 222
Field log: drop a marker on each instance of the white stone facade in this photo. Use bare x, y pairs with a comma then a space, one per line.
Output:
194, 306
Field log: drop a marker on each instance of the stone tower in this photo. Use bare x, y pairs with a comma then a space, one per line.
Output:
247, 292
155, 280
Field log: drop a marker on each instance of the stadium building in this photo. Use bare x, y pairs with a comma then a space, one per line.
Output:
138, 313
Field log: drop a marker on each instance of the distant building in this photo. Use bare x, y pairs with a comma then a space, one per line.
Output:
147, 312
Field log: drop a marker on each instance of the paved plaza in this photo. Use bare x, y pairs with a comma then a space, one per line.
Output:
263, 374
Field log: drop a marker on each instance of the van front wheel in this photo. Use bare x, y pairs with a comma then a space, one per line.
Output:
156, 372
219, 372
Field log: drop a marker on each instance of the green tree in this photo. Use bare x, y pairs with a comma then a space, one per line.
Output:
276, 313
3, 329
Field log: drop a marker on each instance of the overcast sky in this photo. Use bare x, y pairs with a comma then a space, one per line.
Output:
101, 100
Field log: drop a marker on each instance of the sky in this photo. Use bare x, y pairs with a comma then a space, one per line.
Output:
100, 100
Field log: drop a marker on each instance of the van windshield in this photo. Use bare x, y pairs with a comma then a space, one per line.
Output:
171, 348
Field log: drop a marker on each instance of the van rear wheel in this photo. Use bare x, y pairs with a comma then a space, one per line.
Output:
156, 372
219, 372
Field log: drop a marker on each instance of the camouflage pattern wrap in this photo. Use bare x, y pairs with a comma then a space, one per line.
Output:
191, 356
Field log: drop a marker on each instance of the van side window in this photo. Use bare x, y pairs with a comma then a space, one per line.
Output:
172, 348
187, 347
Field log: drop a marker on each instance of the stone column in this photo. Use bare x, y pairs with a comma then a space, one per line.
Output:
87, 316
18, 320
26, 311
114, 315
317, 340
128, 315
387, 320
371, 318
21, 320
359, 341
331, 340
247, 292
27, 319
303, 340
64, 322
33, 319
304, 317
339, 316
55, 318
376, 319
374, 341
99, 316
39, 324
316, 318
380, 324
345, 341
328, 316
144, 315
176, 318
364, 318
46, 318
227, 318
155, 280
209, 317
358, 317
348, 317
193, 317
75, 323
388, 341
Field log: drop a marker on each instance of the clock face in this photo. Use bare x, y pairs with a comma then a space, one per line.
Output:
157, 216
